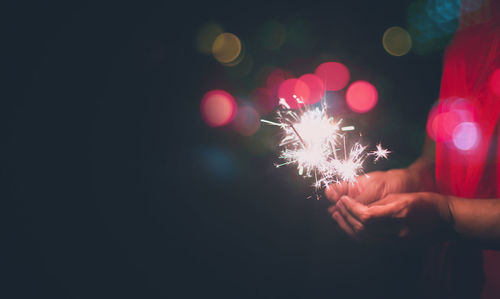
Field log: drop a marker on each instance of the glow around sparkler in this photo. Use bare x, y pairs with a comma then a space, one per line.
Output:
316, 144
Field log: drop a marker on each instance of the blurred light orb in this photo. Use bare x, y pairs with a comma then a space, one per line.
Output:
396, 41
495, 82
276, 77
217, 108
361, 96
272, 35
247, 121
206, 36
242, 67
447, 115
218, 162
335, 75
226, 48
294, 92
466, 135
316, 88
442, 11
264, 100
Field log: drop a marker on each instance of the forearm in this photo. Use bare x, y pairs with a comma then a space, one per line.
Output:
422, 175
476, 219
422, 171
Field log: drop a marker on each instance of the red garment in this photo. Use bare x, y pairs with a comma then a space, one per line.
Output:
469, 63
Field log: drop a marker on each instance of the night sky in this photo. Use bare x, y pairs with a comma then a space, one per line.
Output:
116, 188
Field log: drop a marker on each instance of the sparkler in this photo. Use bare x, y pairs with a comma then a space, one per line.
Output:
316, 144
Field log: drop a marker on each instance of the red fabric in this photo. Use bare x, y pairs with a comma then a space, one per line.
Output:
470, 60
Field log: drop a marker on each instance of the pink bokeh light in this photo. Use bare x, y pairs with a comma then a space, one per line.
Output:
361, 96
217, 108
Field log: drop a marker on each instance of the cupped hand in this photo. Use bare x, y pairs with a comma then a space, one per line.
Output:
373, 186
422, 215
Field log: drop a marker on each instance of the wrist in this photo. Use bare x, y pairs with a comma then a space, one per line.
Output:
445, 208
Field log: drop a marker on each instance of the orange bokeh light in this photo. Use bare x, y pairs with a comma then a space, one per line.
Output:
294, 92
335, 75
217, 108
361, 96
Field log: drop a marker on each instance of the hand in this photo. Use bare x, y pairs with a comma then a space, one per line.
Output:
374, 186
422, 215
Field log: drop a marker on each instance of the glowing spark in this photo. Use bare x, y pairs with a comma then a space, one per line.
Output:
314, 143
380, 153
347, 128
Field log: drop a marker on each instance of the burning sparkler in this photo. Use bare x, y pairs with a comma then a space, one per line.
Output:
316, 143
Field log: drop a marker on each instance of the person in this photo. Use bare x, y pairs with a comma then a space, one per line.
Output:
449, 197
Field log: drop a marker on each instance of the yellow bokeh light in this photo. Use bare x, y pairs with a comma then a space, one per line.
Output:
206, 36
396, 41
226, 48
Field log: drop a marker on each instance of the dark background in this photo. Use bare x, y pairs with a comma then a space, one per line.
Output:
117, 189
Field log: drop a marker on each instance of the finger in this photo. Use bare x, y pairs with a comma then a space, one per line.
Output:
332, 209
354, 223
356, 209
366, 198
343, 225
331, 192
394, 199
336, 190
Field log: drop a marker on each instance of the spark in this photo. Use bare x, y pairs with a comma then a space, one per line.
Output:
347, 128
380, 153
316, 144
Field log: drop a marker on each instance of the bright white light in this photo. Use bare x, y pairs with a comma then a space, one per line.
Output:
466, 136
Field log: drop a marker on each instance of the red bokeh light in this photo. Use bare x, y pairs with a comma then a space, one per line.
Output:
361, 96
293, 91
275, 78
217, 108
264, 100
316, 88
446, 116
335, 75
495, 82
247, 121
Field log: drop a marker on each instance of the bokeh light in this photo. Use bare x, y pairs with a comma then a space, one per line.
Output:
396, 41
443, 11
294, 91
242, 67
264, 100
495, 82
206, 36
466, 135
218, 162
272, 35
247, 121
335, 75
275, 78
316, 88
226, 48
447, 115
217, 108
431, 24
361, 96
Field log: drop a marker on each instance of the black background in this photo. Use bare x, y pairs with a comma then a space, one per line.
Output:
108, 196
